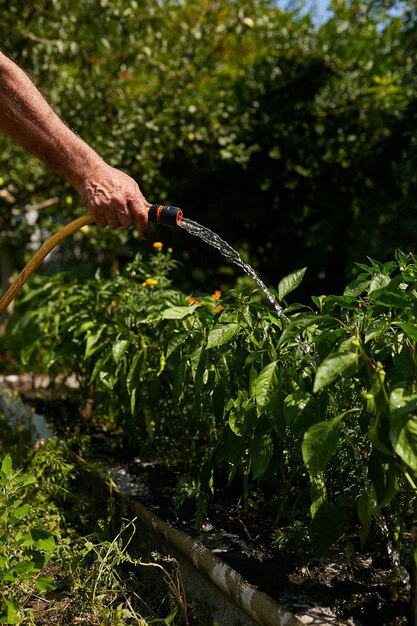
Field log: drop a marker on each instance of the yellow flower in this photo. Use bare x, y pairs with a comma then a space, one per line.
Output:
169, 250
158, 245
149, 282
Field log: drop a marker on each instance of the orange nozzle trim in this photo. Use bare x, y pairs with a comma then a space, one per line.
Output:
158, 213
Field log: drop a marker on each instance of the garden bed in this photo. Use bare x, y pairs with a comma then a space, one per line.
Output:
361, 590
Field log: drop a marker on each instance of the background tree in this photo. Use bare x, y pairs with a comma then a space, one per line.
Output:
297, 144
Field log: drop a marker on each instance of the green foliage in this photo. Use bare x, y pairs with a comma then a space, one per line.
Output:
115, 588
25, 549
317, 408
308, 132
92, 570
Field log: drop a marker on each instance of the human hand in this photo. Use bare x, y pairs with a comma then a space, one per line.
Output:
114, 199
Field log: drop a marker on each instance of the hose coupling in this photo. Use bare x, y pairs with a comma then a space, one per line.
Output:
165, 214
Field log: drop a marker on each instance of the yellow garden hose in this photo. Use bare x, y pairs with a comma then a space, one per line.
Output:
158, 213
38, 257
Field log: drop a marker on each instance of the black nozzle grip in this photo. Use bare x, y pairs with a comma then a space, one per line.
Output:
165, 214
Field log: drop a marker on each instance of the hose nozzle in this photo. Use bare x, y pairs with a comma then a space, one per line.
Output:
165, 214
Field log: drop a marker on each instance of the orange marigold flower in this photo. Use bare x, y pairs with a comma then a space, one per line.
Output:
218, 308
217, 294
193, 300
158, 245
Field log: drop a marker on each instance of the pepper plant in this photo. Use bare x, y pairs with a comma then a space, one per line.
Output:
311, 416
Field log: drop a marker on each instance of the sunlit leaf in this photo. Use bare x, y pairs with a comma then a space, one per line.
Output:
290, 282
7, 466
45, 584
267, 385
222, 334
320, 443
333, 366
409, 329
403, 435
177, 312
119, 348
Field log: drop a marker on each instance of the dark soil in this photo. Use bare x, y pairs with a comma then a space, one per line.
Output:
363, 590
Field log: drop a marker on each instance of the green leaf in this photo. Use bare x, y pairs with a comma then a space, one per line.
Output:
99, 365
384, 477
409, 329
366, 505
133, 400
290, 282
379, 281
320, 443
267, 385
233, 447
119, 348
92, 344
262, 451
22, 569
401, 403
176, 341
326, 527
108, 379
404, 441
357, 287
177, 312
45, 584
333, 366
392, 299
43, 540
178, 382
294, 406
7, 466
11, 614
132, 378
21, 512
298, 325
222, 334
375, 328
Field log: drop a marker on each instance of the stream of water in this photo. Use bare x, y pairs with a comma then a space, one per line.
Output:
210, 237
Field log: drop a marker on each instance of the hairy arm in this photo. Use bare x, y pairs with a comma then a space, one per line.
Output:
111, 196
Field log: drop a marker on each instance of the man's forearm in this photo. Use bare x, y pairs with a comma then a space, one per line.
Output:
112, 197
29, 120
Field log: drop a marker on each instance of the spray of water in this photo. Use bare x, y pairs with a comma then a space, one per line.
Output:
208, 236
398, 569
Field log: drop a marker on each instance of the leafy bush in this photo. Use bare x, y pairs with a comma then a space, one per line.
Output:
25, 548
97, 579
